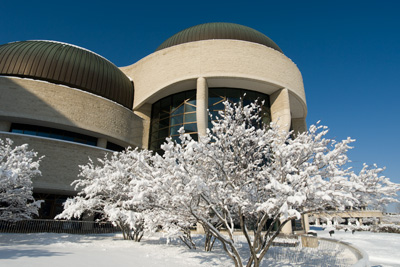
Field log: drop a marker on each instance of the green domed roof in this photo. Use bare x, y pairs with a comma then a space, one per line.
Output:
219, 30
69, 65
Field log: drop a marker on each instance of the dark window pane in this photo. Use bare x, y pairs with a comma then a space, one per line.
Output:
164, 114
178, 110
163, 133
154, 126
213, 100
178, 100
155, 110
175, 129
234, 95
164, 123
190, 117
189, 108
30, 132
218, 106
221, 92
68, 138
43, 134
195, 137
165, 104
191, 127
53, 133
176, 120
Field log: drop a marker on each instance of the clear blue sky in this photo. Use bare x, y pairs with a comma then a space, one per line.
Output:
347, 51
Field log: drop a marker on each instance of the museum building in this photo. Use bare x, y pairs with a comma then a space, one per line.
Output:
70, 104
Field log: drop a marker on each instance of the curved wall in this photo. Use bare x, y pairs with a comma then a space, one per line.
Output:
60, 165
45, 104
224, 63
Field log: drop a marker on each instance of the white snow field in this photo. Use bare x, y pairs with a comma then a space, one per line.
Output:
383, 249
47, 249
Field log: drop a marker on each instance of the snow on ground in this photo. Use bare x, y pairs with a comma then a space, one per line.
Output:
42, 249
46, 249
383, 248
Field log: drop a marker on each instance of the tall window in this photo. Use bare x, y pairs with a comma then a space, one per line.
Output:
169, 115
216, 97
179, 110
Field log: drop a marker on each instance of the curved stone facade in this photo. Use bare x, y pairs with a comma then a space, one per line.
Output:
56, 106
222, 63
60, 164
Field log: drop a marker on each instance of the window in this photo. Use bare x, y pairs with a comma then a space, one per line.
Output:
179, 110
169, 115
53, 133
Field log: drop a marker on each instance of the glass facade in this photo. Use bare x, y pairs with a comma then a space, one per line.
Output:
216, 97
169, 115
179, 110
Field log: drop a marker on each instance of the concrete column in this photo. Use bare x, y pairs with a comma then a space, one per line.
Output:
280, 109
299, 125
144, 112
5, 126
306, 224
102, 142
287, 228
202, 106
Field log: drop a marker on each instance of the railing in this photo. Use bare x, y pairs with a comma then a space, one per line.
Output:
339, 252
57, 226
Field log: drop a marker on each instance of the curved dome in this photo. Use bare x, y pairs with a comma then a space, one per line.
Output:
219, 30
69, 65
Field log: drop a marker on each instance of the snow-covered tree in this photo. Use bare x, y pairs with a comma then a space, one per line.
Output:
18, 166
241, 175
119, 189
260, 177
372, 189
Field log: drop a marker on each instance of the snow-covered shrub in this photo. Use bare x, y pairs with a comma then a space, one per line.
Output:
18, 166
119, 188
351, 228
370, 221
386, 228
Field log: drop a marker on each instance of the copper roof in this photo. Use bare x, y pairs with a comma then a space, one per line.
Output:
219, 30
69, 65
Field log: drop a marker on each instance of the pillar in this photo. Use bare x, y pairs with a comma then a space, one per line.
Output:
280, 109
102, 142
306, 224
287, 228
144, 112
202, 106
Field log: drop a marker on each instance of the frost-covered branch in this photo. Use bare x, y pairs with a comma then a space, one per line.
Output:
18, 167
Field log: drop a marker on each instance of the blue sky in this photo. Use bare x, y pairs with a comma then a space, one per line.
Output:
347, 51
